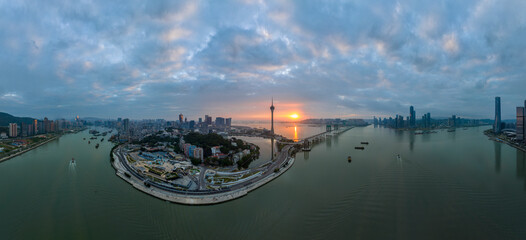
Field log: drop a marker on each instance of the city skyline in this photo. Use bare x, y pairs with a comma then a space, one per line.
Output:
358, 59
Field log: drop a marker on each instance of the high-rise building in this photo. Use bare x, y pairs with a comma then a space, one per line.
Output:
520, 124
198, 153
181, 118
47, 125
428, 119
13, 130
35, 131
497, 124
228, 122
412, 116
200, 120
208, 120
272, 117
220, 121
126, 125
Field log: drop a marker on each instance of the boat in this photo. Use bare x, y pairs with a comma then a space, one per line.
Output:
72, 160
84, 139
349, 159
89, 142
398, 157
364, 142
102, 139
361, 148
451, 130
97, 146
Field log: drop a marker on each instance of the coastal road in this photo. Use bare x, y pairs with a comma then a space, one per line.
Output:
280, 159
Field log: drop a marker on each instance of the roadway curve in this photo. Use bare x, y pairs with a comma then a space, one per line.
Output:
200, 197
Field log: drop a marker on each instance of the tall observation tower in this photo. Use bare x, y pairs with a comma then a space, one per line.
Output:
272, 117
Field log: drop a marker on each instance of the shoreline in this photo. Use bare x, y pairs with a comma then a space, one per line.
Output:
501, 140
194, 199
29, 149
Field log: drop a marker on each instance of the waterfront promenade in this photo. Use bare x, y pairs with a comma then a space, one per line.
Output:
283, 162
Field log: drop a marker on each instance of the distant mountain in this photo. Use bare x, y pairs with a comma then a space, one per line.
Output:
6, 118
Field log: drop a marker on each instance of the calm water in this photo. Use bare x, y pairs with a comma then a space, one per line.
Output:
447, 185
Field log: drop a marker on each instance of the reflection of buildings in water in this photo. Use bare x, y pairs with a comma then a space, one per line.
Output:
497, 155
306, 155
411, 140
328, 141
271, 148
521, 166
335, 137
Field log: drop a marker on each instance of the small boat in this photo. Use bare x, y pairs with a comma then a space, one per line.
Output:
72, 160
361, 148
349, 159
84, 139
451, 130
97, 146
364, 142
89, 142
102, 139
398, 157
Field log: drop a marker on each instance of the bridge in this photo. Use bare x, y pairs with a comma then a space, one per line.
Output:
320, 137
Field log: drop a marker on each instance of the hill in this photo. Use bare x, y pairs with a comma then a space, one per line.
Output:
6, 118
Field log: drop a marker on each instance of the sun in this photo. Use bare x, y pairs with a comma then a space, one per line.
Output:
294, 116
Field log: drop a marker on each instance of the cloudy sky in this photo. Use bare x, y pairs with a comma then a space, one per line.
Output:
154, 59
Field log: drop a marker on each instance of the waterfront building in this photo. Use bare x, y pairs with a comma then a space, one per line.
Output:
412, 117
35, 130
13, 130
428, 119
497, 123
228, 122
520, 124
272, 117
452, 121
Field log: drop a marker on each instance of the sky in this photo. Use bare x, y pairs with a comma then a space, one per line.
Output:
319, 59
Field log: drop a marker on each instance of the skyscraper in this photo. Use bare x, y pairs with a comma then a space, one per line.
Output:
228, 122
208, 120
412, 116
181, 118
520, 124
272, 117
497, 124
126, 125
13, 131
220, 121
428, 119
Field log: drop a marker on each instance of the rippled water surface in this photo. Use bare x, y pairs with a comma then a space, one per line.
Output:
447, 185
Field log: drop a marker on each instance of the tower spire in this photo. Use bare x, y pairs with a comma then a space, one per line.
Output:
272, 117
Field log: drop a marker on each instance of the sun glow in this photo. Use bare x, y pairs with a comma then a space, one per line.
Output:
294, 116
